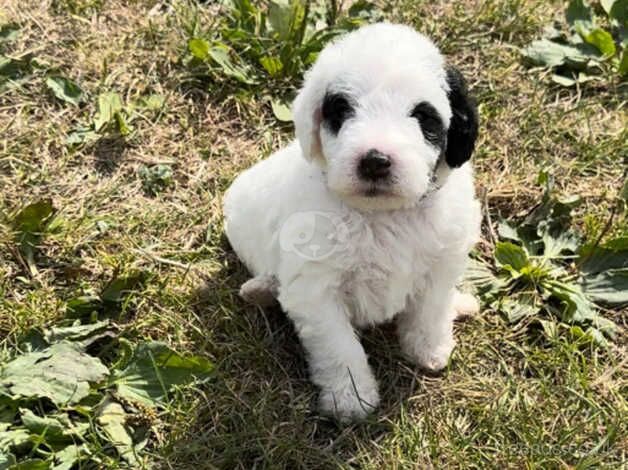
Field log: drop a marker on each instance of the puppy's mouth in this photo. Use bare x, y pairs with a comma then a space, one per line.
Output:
376, 191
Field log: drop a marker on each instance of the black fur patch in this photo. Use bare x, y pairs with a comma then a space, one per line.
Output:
336, 110
431, 123
463, 129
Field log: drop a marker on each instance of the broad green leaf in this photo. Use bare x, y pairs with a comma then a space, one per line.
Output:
618, 10
9, 32
117, 290
65, 89
154, 370
112, 418
578, 11
551, 54
109, 105
550, 328
83, 306
199, 48
61, 373
285, 18
81, 135
70, 455
623, 63
32, 464
481, 279
602, 40
54, 429
281, 111
7, 460
516, 308
611, 255
608, 287
508, 231
509, 254
220, 55
76, 332
30, 224
16, 438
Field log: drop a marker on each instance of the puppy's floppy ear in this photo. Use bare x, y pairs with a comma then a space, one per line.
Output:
307, 114
463, 128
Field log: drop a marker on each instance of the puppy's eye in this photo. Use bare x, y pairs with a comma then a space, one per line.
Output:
336, 110
430, 122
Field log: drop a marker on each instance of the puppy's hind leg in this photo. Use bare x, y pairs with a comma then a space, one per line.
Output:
261, 290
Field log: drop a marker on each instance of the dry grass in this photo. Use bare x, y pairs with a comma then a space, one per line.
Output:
509, 400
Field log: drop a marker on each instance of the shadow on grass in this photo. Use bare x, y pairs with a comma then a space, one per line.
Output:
260, 411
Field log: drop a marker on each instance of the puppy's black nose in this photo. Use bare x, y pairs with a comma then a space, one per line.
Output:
374, 165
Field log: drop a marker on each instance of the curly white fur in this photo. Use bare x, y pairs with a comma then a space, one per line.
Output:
340, 258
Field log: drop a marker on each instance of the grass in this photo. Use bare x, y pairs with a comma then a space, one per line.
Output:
511, 398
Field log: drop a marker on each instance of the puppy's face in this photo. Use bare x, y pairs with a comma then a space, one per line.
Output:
376, 113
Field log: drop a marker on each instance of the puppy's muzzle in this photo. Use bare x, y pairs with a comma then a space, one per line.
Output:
374, 166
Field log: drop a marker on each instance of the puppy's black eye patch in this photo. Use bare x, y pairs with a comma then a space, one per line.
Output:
336, 110
430, 122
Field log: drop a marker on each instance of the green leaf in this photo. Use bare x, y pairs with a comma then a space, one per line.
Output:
612, 255
508, 231
30, 224
618, 11
482, 280
61, 373
578, 11
602, 40
154, 370
120, 287
220, 55
153, 102
199, 48
112, 418
551, 54
54, 429
109, 105
65, 89
281, 111
9, 32
81, 135
83, 306
15, 439
272, 65
67, 457
155, 178
518, 307
32, 464
623, 63
7, 460
572, 80
509, 254
76, 332
608, 287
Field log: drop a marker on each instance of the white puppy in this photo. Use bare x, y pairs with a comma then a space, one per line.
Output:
370, 214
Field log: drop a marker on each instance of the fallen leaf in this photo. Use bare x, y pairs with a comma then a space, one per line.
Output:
154, 369
61, 373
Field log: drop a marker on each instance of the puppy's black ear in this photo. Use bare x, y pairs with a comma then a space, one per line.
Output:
463, 128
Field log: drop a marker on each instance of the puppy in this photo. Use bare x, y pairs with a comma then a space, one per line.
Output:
370, 214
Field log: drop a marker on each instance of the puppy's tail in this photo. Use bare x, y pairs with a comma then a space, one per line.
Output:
465, 305
262, 290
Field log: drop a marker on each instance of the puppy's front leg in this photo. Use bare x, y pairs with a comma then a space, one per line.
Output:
425, 327
338, 364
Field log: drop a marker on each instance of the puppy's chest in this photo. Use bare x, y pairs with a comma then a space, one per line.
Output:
390, 262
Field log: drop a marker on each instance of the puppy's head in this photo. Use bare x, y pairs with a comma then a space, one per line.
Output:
384, 117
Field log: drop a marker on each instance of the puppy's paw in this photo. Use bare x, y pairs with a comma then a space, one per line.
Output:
261, 290
429, 357
348, 403
465, 305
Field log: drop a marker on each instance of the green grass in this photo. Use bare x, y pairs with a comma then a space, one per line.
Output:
511, 397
